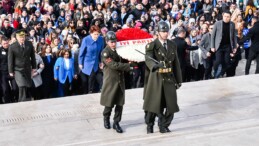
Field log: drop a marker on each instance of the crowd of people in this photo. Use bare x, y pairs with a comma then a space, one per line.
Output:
67, 38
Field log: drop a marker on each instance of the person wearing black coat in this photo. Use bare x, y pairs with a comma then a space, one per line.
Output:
182, 46
6, 29
253, 34
9, 93
48, 82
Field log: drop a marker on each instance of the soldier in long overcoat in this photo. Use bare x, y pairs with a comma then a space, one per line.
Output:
161, 80
21, 62
113, 90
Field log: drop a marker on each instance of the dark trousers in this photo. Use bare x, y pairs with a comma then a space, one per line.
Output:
49, 86
247, 52
117, 115
37, 92
252, 55
208, 68
199, 73
189, 71
165, 119
9, 93
67, 88
87, 82
138, 76
222, 57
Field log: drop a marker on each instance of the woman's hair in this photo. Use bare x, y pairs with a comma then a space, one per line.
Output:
65, 51
44, 48
94, 28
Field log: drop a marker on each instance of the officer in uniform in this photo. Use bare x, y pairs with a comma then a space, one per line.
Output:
113, 91
21, 62
161, 80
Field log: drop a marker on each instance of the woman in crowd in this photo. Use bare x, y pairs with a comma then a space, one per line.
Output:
36, 89
89, 58
49, 60
64, 72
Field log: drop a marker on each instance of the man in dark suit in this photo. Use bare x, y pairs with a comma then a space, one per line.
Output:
253, 34
161, 81
223, 43
182, 48
21, 63
207, 55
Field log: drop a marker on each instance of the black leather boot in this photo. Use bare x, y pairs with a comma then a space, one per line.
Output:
117, 127
150, 129
164, 129
106, 122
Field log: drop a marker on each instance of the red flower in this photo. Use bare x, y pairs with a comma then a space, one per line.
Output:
132, 34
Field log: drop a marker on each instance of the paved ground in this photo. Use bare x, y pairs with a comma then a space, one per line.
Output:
241, 67
215, 112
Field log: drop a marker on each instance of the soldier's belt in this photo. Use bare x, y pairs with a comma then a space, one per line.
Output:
165, 70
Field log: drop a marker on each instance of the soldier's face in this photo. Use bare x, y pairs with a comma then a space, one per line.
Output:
163, 35
20, 39
111, 44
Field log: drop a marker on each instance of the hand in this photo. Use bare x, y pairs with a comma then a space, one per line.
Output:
41, 65
234, 50
75, 76
101, 65
11, 74
35, 74
237, 45
157, 66
208, 54
55, 79
213, 49
81, 67
232, 55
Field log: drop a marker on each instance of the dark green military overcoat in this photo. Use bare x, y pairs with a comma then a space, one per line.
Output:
113, 90
160, 86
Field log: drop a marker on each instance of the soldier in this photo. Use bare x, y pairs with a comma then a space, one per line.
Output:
113, 91
161, 81
21, 63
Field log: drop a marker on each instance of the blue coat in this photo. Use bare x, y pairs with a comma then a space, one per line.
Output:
61, 72
90, 54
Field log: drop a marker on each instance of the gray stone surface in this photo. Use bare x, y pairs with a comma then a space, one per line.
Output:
215, 112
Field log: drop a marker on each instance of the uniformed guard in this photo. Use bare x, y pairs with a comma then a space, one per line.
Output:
21, 63
161, 80
113, 91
